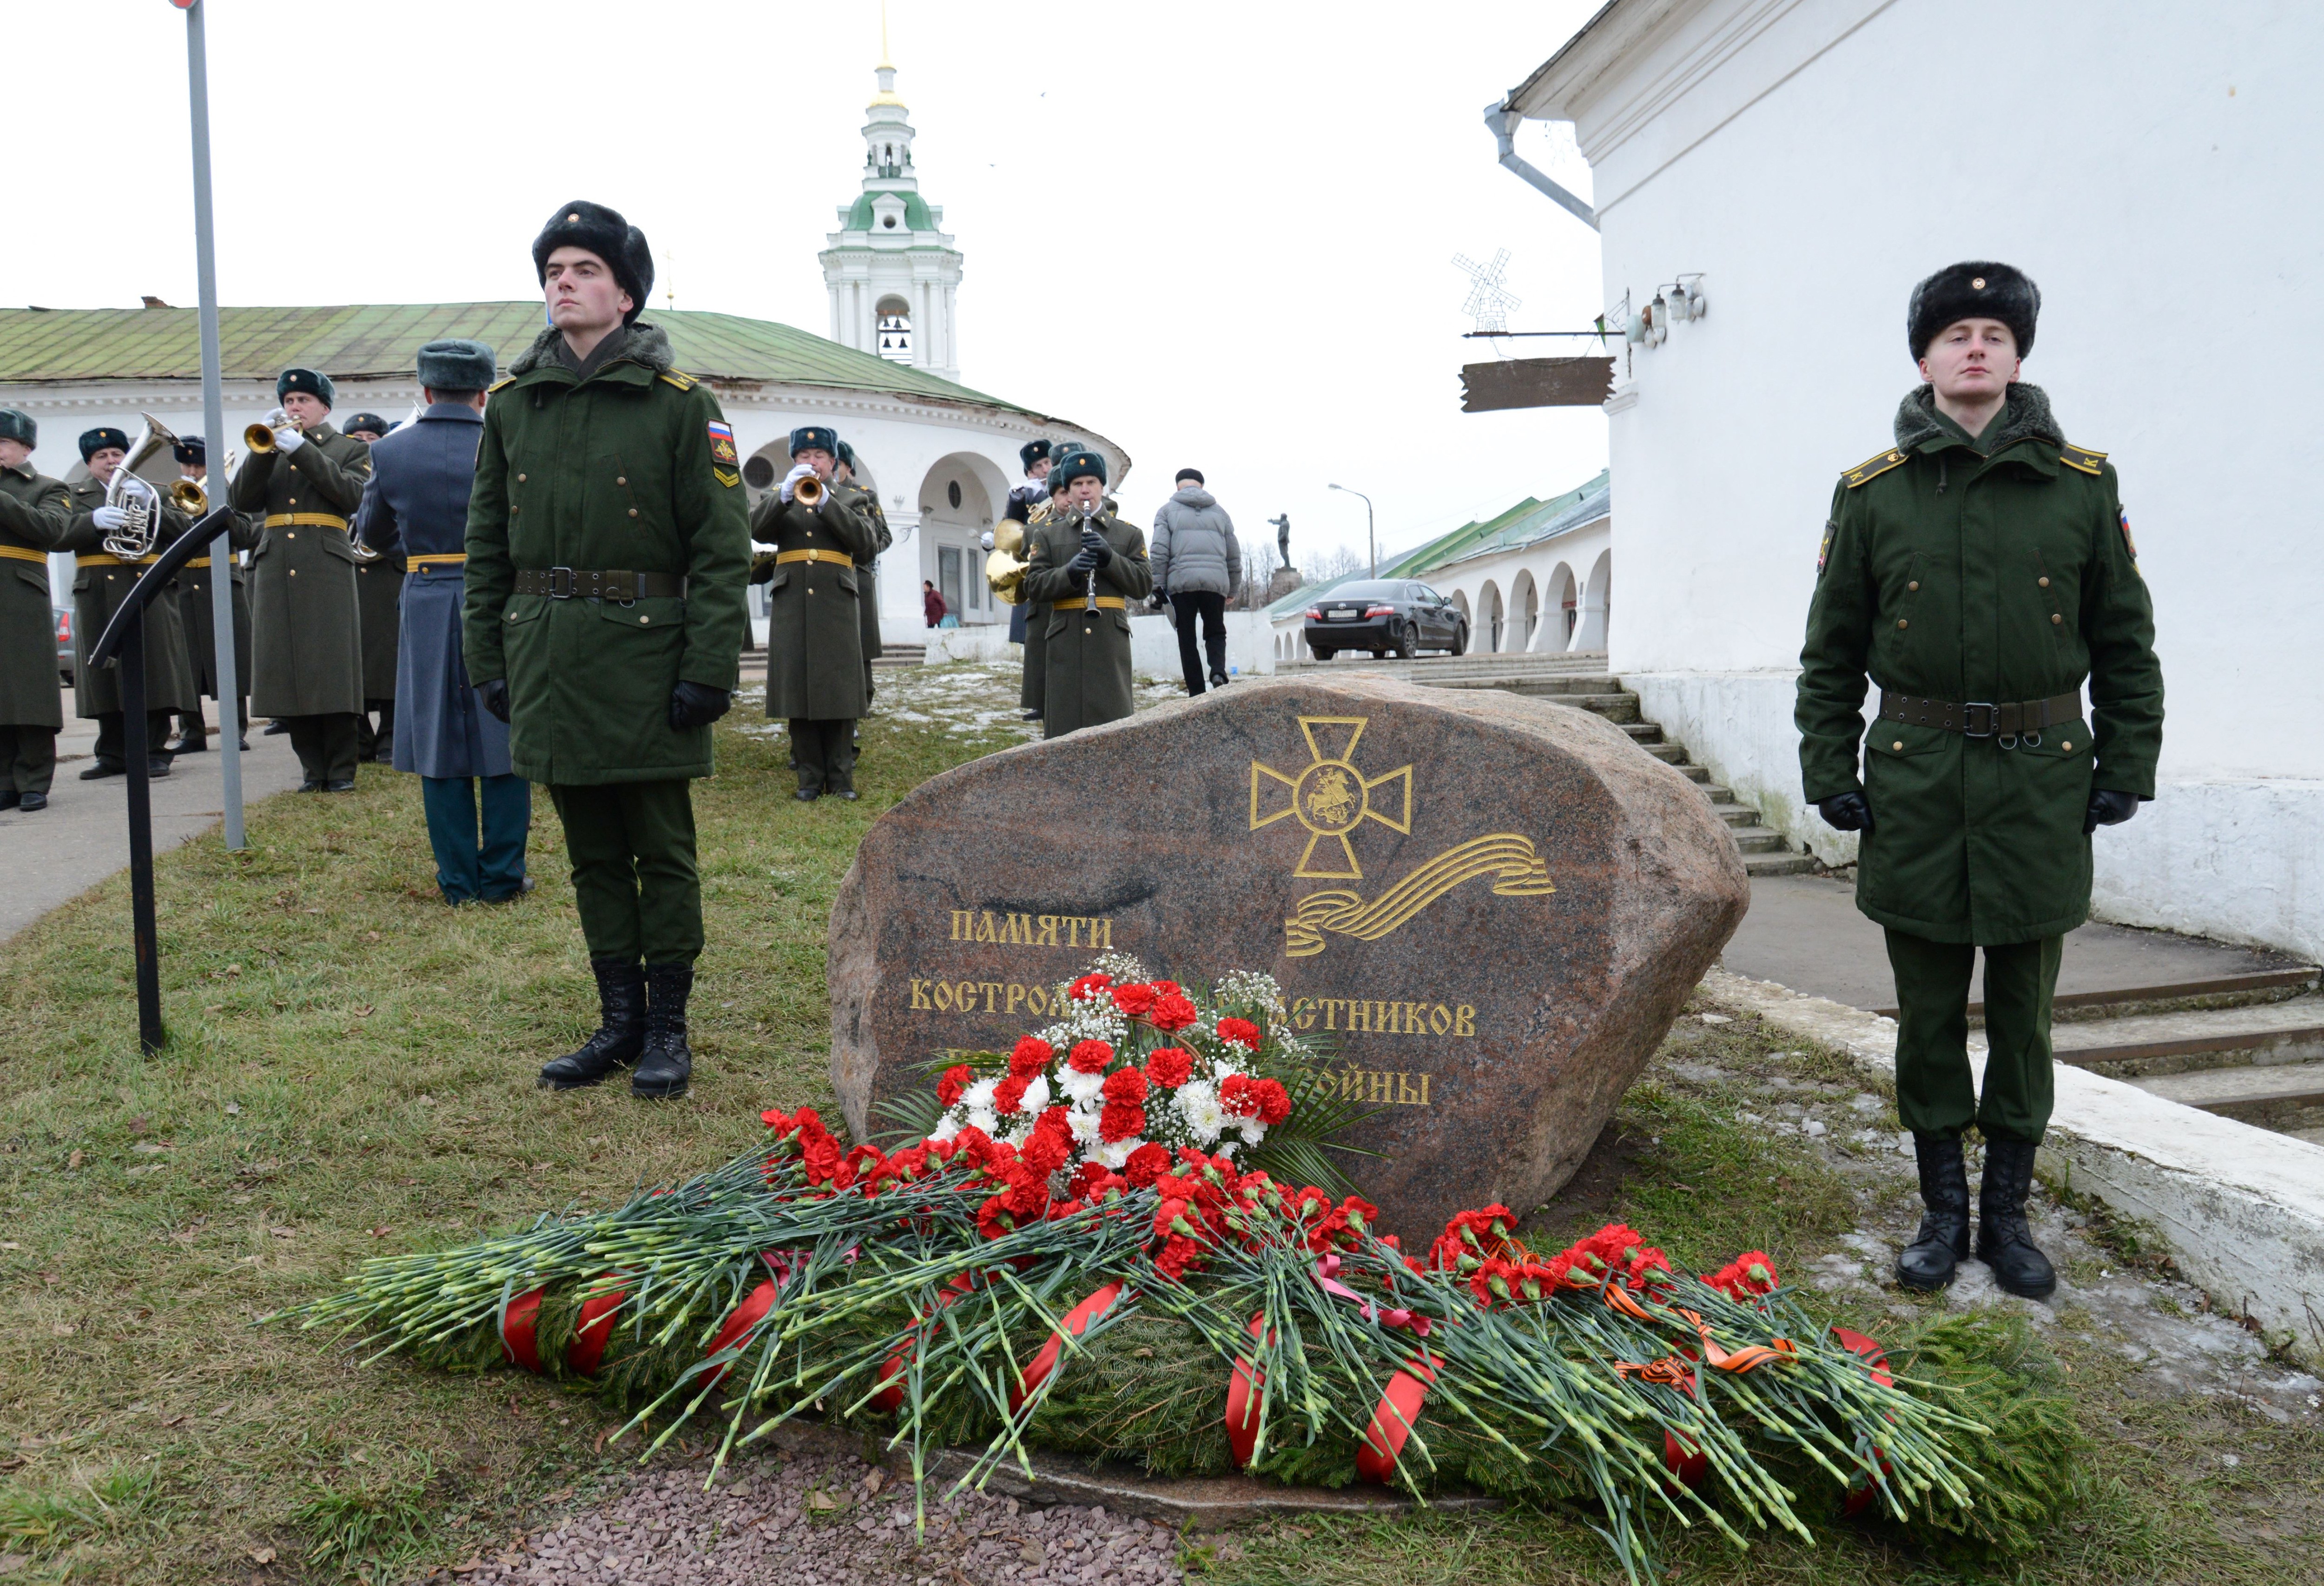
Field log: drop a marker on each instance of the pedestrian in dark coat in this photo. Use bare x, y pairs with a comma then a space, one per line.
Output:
101, 584
1086, 549
814, 660
417, 507
35, 516
1980, 571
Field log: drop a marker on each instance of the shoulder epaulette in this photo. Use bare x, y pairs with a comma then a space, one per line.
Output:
510, 380
1873, 467
681, 379
2082, 458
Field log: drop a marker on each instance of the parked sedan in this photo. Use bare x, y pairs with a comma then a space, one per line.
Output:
1384, 615
64, 643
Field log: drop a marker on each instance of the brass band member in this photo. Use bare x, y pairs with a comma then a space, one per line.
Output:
101, 584
815, 663
35, 516
1023, 503
1089, 566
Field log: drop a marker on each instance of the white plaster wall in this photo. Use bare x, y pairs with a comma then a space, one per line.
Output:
1153, 645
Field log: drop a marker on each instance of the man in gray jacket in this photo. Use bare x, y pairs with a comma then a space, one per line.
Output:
1197, 563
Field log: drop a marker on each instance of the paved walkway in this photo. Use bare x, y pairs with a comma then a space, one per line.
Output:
83, 835
1804, 932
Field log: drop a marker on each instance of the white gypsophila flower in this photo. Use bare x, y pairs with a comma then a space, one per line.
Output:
1019, 1135
1251, 989
1084, 1125
1037, 1093
1123, 967
983, 1118
946, 1129
1197, 1106
978, 1097
1113, 1156
1077, 1086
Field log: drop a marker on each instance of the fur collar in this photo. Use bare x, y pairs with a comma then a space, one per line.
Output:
647, 345
2028, 419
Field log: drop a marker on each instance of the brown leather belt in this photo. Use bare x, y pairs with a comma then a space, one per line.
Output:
566, 584
1980, 719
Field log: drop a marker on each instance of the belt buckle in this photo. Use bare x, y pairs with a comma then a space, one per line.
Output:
615, 586
1969, 717
571, 583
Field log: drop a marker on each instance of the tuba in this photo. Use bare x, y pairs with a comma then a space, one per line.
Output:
134, 541
1004, 568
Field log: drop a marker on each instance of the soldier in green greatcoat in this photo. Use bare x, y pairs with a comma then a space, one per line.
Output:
866, 502
101, 582
1085, 644
1034, 685
36, 515
816, 675
608, 547
306, 626
1980, 571
379, 592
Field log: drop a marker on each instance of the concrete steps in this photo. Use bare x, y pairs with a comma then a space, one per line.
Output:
899, 655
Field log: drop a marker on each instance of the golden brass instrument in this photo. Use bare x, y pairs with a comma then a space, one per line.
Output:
1005, 567
139, 502
260, 437
810, 492
188, 497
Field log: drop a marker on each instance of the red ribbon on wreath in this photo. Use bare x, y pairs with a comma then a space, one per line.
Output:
1394, 1418
1242, 1401
519, 1319
1861, 1495
891, 1399
1076, 1322
1327, 1277
594, 1329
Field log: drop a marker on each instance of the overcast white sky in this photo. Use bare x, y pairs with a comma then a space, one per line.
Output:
1220, 234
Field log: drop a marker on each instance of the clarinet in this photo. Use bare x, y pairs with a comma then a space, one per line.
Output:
1087, 514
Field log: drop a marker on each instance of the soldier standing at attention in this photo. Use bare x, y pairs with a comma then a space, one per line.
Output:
194, 615
417, 505
379, 587
815, 674
307, 635
36, 515
1979, 570
1024, 501
866, 502
608, 545
1086, 652
101, 582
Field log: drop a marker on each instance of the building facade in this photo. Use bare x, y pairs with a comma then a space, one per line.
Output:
891, 269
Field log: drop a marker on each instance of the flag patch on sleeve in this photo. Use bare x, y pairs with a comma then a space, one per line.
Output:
2128, 544
722, 442
1823, 551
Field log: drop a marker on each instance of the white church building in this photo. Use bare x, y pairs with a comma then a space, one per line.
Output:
941, 456
1798, 166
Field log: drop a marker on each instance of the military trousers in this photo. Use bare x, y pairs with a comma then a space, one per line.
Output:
111, 749
631, 845
324, 745
28, 758
1934, 1091
377, 742
825, 753
473, 863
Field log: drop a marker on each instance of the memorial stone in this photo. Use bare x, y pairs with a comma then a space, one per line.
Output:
1485, 909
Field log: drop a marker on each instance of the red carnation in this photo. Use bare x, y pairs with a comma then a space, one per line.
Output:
1172, 1012
1146, 1163
1136, 1000
956, 1079
1177, 1251
1089, 986
1241, 1032
1032, 1055
1009, 1096
1263, 1099
994, 1218
1089, 1057
1169, 1066
1125, 1085
972, 1143
1120, 1121
1045, 1153
1058, 1118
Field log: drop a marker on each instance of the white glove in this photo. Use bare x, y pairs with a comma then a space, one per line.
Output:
109, 519
791, 479
287, 437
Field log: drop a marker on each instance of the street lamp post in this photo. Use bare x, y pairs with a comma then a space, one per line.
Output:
1370, 540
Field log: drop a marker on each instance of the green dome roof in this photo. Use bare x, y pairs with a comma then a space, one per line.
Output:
916, 214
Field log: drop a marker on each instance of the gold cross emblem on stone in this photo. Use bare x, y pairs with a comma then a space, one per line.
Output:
1331, 797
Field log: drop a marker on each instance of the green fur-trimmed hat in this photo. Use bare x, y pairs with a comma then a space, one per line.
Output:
847, 455
17, 426
1978, 288
313, 382
623, 246
1032, 452
456, 363
191, 449
1078, 463
816, 436
93, 441
370, 424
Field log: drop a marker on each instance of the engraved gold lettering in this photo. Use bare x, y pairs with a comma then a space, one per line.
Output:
1405, 1096
944, 996
1303, 1012
1017, 996
961, 918
1101, 933
964, 996
1440, 1020
1351, 1085
1464, 1022
919, 994
1019, 932
984, 931
991, 988
1378, 1087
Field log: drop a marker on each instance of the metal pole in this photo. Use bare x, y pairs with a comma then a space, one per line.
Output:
137, 760
229, 686
1370, 539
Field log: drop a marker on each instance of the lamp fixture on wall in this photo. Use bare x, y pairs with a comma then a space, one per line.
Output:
1681, 299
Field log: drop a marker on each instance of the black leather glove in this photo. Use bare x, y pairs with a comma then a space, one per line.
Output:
1093, 546
1846, 812
2108, 809
494, 695
1083, 562
696, 704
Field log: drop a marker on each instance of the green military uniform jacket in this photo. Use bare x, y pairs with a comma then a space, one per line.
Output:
379, 596
1086, 653
815, 646
101, 582
866, 504
306, 627
35, 516
1950, 576
632, 468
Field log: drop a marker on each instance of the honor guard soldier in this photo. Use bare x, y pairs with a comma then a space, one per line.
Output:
1034, 684
306, 479
1023, 502
608, 549
1981, 570
866, 502
1089, 566
815, 674
101, 582
379, 587
195, 615
35, 517
416, 511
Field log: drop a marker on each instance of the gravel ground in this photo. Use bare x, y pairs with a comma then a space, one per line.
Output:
810, 1520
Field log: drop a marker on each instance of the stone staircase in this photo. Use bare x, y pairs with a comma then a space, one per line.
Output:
1581, 682
899, 655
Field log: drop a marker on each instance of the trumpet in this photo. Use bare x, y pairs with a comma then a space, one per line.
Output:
260, 437
188, 497
810, 492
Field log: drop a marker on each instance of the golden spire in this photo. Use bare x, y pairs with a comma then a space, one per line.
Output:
886, 71
887, 59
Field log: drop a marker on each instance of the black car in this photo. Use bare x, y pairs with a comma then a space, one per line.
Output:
1384, 615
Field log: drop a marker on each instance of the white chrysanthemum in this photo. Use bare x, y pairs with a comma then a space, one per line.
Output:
1037, 1093
947, 1129
1227, 1148
1077, 1086
1197, 1101
1084, 1125
978, 1097
1253, 1131
983, 1118
1118, 1153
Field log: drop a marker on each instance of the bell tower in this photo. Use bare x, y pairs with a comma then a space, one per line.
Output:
890, 268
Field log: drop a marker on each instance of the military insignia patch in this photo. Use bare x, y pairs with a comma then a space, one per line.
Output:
722, 442
1823, 551
2128, 544
730, 480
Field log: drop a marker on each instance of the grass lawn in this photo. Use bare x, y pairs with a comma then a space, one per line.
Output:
351, 1073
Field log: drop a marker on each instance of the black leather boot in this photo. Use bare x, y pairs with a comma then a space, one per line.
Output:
668, 1062
621, 1035
2004, 1242
1943, 1243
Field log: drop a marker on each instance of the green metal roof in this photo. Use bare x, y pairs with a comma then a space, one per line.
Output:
54, 346
916, 213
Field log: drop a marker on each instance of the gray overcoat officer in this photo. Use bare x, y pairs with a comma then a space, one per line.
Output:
379, 590
416, 510
196, 612
814, 657
101, 582
36, 515
1089, 567
307, 628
